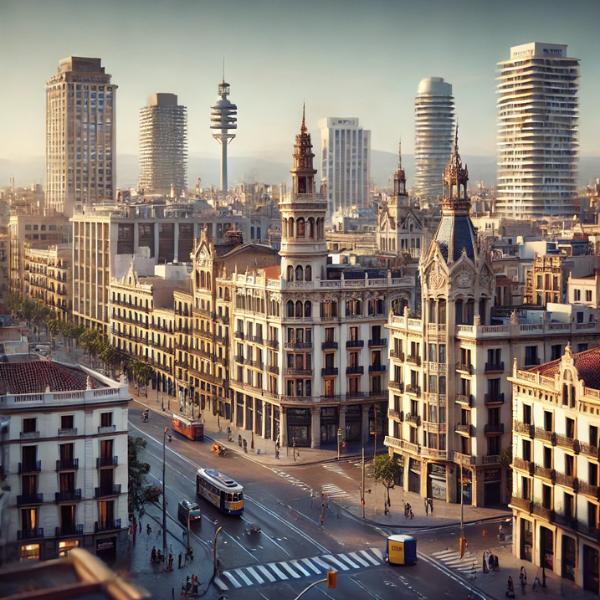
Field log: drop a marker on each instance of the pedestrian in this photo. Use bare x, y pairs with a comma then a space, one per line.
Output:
194, 584
491, 561
431, 505
485, 563
180, 560
148, 529
523, 578
405, 510
188, 584
321, 521
140, 524
500, 533
159, 556
496, 566
510, 588
153, 555
536, 583
170, 563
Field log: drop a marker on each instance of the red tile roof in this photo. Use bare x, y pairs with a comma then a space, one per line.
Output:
587, 364
36, 376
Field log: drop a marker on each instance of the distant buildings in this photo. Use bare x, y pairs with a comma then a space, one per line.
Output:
65, 460
163, 146
80, 135
537, 132
345, 164
434, 125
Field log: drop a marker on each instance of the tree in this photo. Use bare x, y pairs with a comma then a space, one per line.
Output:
506, 459
142, 372
139, 490
111, 357
386, 470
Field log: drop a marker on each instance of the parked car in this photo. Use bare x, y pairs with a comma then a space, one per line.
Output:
186, 508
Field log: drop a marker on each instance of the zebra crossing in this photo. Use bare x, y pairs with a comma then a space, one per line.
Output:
293, 480
333, 491
298, 568
451, 558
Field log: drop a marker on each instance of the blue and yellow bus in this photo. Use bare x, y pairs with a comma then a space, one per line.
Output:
226, 494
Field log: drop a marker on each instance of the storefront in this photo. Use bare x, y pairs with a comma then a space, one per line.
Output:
467, 486
249, 412
258, 424
378, 412
106, 549
298, 421
492, 492
414, 476
591, 572
268, 417
526, 540
547, 548
353, 423
329, 425
569, 554
239, 409
30, 552
438, 484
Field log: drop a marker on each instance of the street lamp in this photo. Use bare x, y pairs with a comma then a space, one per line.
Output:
215, 547
164, 492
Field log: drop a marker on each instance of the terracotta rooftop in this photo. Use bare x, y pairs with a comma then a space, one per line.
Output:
36, 376
587, 364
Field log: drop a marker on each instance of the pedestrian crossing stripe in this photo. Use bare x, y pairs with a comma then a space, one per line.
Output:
333, 491
451, 558
297, 568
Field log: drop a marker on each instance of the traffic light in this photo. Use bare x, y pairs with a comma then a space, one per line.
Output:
463, 546
331, 579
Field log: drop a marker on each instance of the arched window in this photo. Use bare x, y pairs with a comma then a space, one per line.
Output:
307, 309
299, 308
290, 273
291, 228
290, 308
201, 278
299, 273
308, 273
311, 228
300, 227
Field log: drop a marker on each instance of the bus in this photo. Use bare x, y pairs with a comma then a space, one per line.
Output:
191, 428
220, 490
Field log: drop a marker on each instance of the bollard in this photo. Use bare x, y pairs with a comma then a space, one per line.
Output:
240, 440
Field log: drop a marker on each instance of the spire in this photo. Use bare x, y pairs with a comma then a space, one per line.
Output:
400, 178
455, 183
303, 127
303, 174
400, 154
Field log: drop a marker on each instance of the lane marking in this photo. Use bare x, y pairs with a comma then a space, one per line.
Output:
377, 552
277, 572
254, 574
231, 578
335, 561
290, 570
347, 559
358, 559
240, 545
308, 562
266, 573
221, 585
245, 579
369, 557
300, 568
322, 563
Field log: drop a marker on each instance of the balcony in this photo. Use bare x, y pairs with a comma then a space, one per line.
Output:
30, 466
494, 367
464, 459
107, 461
329, 346
521, 503
30, 534
526, 428
238, 335
413, 359
393, 413
413, 389
298, 345
273, 369
566, 480
525, 465
67, 464
255, 339
296, 372
589, 450
355, 344
544, 472
103, 492
377, 368
378, 343
239, 359
545, 513
107, 428
67, 431
398, 386
329, 372
107, 525
589, 490
565, 521
273, 344
542, 434
67, 530
414, 419
463, 429
464, 368
29, 435
493, 399
491, 459
564, 441
493, 429
464, 400
30, 499
355, 370
68, 496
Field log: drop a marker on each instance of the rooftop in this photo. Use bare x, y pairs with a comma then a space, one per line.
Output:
587, 364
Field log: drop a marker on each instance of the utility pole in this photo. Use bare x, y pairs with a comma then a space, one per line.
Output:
215, 547
375, 419
362, 489
164, 515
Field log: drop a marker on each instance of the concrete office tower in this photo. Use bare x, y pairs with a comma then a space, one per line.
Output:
434, 128
537, 132
80, 135
223, 117
163, 145
345, 164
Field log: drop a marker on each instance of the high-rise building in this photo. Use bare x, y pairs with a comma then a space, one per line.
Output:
80, 135
345, 164
163, 145
434, 125
537, 131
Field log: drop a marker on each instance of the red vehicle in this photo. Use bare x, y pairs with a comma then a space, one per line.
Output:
191, 428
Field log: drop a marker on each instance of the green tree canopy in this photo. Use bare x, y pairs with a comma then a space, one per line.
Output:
386, 470
139, 490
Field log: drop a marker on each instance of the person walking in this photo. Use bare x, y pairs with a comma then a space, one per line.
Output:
194, 585
510, 588
523, 578
180, 560
431, 505
153, 555
321, 521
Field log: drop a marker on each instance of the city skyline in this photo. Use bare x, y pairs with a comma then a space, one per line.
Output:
361, 70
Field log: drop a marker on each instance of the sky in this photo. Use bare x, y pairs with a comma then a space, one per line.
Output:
344, 58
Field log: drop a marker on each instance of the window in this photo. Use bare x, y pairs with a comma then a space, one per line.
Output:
106, 419
526, 450
67, 421
577, 295
556, 352
588, 295
29, 425
531, 356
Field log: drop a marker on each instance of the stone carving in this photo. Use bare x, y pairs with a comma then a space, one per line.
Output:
485, 277
464, 278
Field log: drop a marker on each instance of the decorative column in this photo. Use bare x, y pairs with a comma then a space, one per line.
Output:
283, 426
315, 436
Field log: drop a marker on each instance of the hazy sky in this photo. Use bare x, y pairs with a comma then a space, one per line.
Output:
348, 58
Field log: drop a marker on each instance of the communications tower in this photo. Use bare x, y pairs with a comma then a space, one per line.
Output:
223, 117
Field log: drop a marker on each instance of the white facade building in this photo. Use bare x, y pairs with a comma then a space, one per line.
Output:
163, 146
538, 115
434, 125
65, 459
345, 164
80, 135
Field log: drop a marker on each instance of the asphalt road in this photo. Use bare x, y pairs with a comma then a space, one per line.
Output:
292, 550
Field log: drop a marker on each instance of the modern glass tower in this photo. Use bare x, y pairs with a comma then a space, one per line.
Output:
537, 132
434, 128
80, 135
163, 145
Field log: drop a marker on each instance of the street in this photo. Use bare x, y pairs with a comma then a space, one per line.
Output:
292, 550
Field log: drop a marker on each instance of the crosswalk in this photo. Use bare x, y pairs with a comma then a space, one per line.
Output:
293, 480
298, 568
333, 491
451, 558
